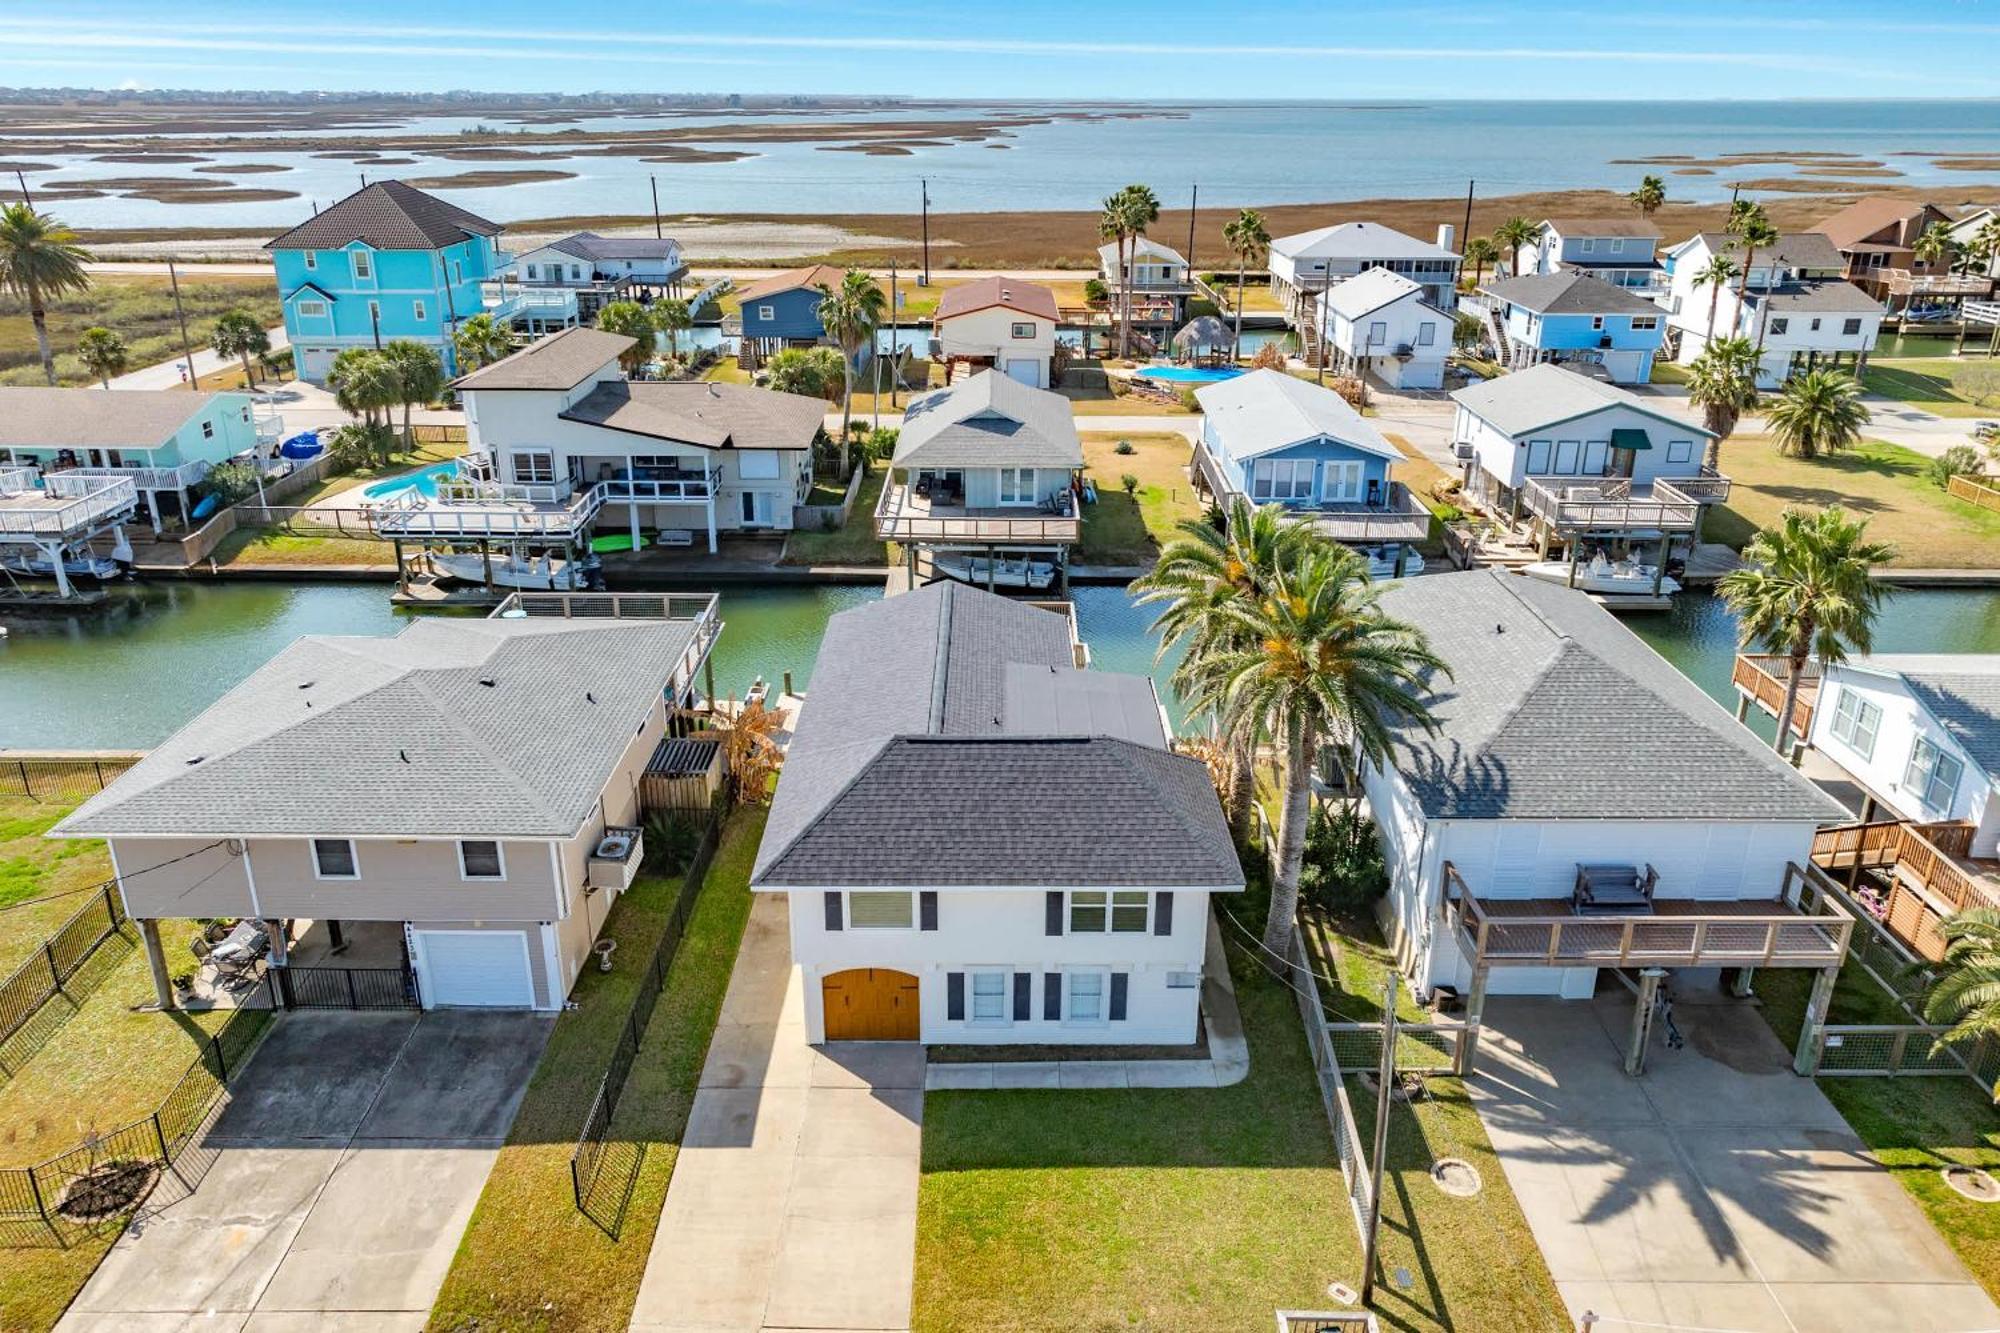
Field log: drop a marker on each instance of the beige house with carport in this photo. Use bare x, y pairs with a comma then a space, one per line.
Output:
999, 323
461, 799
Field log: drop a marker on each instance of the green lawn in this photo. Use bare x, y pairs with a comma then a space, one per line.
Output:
1666, 372
1948, 387
1913, 1126
1885, 483
273, 546
1123, 529
853, 543
34, 871
506, 1274
138, 307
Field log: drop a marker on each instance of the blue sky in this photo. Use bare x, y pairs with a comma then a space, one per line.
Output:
1206, 49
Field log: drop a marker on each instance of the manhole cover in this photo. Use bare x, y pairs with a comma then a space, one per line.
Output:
1456, 1177
1973, 1183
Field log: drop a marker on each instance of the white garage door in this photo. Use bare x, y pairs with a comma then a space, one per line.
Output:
1027, 370
486, 968
314, 362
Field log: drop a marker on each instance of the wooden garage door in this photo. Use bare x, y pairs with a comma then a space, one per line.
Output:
870, 1004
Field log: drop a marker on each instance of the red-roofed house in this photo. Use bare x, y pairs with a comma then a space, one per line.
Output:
1003, 323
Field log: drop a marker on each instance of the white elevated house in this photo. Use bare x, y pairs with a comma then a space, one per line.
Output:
456, 806
559, 441
984, 843
1620, 251
1798, 307
1584, 806
560, 282
999, 323
1160, 282
1384, 324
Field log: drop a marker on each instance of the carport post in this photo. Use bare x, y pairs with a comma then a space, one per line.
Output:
1740, 988
1475, 1007
1805, 1056
1642, 1020
156, 962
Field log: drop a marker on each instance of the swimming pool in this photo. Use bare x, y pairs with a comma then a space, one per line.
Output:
1189, 374
425, 481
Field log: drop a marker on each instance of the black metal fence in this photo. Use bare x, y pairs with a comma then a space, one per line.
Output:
62, 955
109, 1174
602, 1170
60, 778
344, 987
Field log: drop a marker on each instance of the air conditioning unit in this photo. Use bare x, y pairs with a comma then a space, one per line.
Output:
1462, 450
1605, 341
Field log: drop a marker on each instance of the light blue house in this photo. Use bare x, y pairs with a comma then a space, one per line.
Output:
387, 262
1276, 439
1572, 318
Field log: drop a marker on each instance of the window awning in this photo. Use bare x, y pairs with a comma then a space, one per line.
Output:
1629, 438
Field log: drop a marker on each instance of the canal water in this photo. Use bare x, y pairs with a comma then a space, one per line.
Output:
165, 651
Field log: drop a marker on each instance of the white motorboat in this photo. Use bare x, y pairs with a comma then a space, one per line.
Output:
514, 569
1004, 573
1618, 578
84, 564
1382, 561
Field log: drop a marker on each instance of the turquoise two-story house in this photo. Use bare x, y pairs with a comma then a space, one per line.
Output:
1575, 319
386, 262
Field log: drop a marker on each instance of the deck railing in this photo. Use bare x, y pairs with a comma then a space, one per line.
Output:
70, 504
1610, 505
896, 521
702, 608
148, 478
665, 490
1760, 677
1929, 882
1807, 927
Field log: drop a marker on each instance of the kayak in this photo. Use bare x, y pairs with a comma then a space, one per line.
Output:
616, 541
208, 505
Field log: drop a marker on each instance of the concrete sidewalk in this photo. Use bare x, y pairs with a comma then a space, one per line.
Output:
794, 1199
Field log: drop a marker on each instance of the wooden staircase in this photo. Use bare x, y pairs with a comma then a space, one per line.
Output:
1305, 318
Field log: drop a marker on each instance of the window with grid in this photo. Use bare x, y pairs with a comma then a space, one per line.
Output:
1086, 997
881, 911
1123, 912
1933, 775
989, 997
1856, 722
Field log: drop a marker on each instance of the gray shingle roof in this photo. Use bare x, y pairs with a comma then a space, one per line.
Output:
589, 245
1264, 410
401, 736
560, 361
1827, 296
1574, 227
711, 415
1557, 711
1570, 294
387, 215
1960, 690
989, 420
36, 418
1795, 249
1547, 394
948, 739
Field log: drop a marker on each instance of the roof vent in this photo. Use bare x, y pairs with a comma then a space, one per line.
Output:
307, 684
1499, 629
589, 697
488, 681
714, 389
198, 758
403, 755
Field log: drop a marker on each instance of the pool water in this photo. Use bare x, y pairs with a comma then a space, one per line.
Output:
1189, 374
425, 481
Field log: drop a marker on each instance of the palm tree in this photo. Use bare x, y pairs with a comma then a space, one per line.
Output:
1756, 233
812, 371
1513, 236
850, 317
1936, 246
673, 318
1986, 243
39, 259
241, 334
1652, 193
1111, 227
102, 353
1199, 573
1247, 238
1722, 383
1967, 995
1817, 413
419, 378
1479, 252
636, 322
1140, 209
1805, 589
480, 341
365, 383
1317, 657
1715, 275
1740, 212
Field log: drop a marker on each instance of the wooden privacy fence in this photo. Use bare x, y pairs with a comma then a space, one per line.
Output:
1975, 490
1926, 883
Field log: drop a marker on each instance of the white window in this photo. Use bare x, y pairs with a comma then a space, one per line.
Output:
1856, 721
1427, 334
1596, 453
1281, 479
1814, 326
989, 997
1086, 997
417, 310
767, 312
1538, 456
1568, 454
208, 430
1121, 912
333, 858
1851, 327
1017, 485
1617, 245
873, 910
532, 466
1596, 323
312, 260
1933, 775
1183, 981
1645, 323
1024, 331
1378, 332
312, 310
575, 273
532, 272
1680, 451
1587, 244
757, 464
364, 266
1343, 482
481, 860
1778, 327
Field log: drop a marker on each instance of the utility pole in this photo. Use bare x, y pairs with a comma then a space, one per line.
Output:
1385, 1075
1194, 195
895, 316
657, 233
925, 184
375, 322
1466, 234
187, 351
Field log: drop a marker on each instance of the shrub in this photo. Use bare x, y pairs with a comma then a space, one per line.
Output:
1189, 403
1130, 483
1466, 331
361, 445
880, 446
231, 481
1448, 513
1961, 460
1343, 871
1095, 292
1269, 357
672, 836
1125, 447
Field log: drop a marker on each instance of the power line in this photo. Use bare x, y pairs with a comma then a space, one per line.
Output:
104, 884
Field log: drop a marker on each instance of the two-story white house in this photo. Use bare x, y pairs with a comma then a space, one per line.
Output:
1382, 323
1158, 279
584, 258
1312, 262
1582, 806
983, 843
449, 787
1797, 305
1620, 251
999, 323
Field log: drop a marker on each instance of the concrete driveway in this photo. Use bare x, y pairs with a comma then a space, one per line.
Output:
1720, 1190
338, 1180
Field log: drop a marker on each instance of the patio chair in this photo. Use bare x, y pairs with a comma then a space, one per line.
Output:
1613, 888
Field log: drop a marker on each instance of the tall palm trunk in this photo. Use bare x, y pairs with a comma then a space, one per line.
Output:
409, 434
1242, 788
1795, 670
1124, 302
1236, 340
1742, 291
249, 380
1292, 818
40, 315
846, 406
1714, 299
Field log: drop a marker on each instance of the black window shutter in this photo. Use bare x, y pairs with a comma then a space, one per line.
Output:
1118, 980
954, 996
832, 911
1023, 981
1052, 909
1163, 914
1052, 996
927, 910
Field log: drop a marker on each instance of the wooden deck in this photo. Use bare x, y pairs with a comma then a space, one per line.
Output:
1759, 679
1929, 874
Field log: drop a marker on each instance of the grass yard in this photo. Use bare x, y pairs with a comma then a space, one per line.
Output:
34, 871
1884, 483
503, 1276
1123, 529
1947, 387
854, 542
1915, 1127
273, 546
727, 371
140, 308
1664, 372
1103, 403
